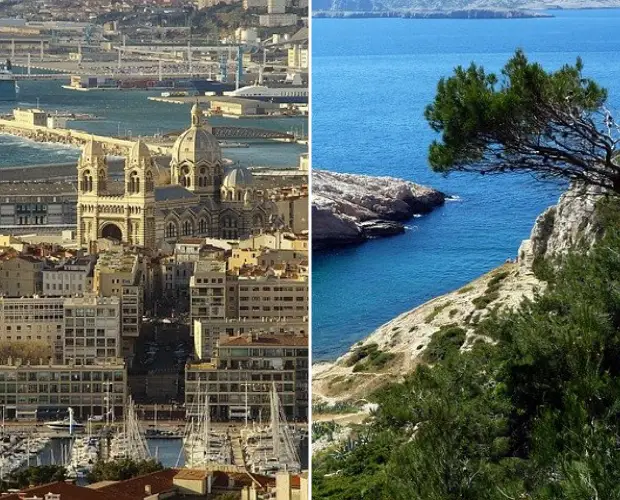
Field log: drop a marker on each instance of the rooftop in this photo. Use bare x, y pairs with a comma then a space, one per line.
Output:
164, 193
110, 262
268, 340
37, 188
209, 266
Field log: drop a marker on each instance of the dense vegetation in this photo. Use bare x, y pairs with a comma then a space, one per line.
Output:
532, 415
120, 470
34, 476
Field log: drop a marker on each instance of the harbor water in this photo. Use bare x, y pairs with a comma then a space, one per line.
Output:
130, 113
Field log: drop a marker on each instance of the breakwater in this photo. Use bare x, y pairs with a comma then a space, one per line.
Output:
111, 145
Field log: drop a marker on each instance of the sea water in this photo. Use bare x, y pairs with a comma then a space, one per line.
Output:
130, 113
372, 79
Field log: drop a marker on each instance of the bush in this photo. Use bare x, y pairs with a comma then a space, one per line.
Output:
483, 301
445, 341
373, 360
360, 353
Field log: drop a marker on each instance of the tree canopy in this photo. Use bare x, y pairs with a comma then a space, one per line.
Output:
532, 415
120, 470
552, 124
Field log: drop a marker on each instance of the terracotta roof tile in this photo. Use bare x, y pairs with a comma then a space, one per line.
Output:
133, 489
66, 491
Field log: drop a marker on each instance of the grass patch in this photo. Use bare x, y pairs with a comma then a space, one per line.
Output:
336, 408
435, 312
360, 353
372, 359
466, 289
453, 312
484, 300
492, 291
445, 341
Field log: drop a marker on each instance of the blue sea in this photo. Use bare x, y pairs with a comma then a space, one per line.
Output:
371, 80
132, 114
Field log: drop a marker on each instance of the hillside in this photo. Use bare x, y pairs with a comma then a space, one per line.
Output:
438, 6
506, 388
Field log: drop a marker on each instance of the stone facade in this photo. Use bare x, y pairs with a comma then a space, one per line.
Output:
195, 198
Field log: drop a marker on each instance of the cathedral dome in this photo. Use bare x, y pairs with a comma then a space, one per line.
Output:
238, 177
197, 143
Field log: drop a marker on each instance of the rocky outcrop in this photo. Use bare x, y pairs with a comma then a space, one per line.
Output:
572, 223
350, 208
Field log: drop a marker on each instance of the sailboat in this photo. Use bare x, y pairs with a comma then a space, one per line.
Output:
272, 449
130, 441
203, 446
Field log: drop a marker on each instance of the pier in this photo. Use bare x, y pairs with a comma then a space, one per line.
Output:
111, 145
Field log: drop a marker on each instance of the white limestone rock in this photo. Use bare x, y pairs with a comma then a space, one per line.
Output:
344, 204
569, 224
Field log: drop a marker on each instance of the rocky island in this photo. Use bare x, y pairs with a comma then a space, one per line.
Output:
351, 208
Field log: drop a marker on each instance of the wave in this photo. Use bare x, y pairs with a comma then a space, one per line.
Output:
454, 198
24, 142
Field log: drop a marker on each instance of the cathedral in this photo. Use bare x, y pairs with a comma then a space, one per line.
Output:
196, 197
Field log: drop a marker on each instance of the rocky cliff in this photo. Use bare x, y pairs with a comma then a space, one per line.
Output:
350, 208
395, 348
571, 223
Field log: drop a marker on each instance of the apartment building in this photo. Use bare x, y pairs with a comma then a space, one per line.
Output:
208, 291
207, 334
21, 276
239, 379
69, 278
33, 319
120, 274
31, 391
92, 327
177, 269
263, 294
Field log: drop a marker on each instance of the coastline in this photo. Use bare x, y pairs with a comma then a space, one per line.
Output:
473, 14
349, 209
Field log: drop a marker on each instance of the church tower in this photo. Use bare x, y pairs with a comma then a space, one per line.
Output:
92, 184
92, 170
140, 196
197, 159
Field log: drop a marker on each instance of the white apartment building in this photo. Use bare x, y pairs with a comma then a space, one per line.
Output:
208, 291
92, 328
70, 278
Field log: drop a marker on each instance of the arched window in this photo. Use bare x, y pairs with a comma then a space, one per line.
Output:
171, 230
185, 177
102, 180
87, 182
134, 183
188, 228
202, 226
149, 182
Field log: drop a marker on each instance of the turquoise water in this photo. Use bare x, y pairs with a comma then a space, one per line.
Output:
371, 81
133, 114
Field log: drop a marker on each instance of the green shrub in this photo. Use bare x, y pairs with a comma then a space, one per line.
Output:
445, 341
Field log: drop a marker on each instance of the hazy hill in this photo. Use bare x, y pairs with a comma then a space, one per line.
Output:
455, 5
